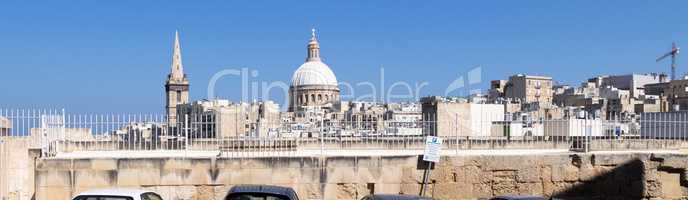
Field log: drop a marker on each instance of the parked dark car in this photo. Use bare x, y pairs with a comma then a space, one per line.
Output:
394, 197
520, 198
261, 192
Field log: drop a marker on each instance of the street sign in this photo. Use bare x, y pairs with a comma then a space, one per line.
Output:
433, 146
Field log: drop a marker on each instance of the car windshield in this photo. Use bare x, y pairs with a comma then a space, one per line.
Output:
93, 197
150, 196
255, 196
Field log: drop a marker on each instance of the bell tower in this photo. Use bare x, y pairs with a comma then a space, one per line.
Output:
177, 85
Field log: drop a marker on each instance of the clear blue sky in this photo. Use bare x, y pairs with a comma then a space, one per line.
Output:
113, 56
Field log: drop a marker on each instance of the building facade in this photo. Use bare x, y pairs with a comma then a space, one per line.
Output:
5, 126
529, 89
447, 117
224, 119
677, 95
404, 119
634, 83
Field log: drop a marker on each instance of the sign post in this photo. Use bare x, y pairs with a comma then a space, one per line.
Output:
431, 155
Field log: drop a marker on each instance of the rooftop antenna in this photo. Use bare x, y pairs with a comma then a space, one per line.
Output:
673, 53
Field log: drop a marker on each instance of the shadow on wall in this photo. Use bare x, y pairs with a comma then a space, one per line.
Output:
625, 181
629, 180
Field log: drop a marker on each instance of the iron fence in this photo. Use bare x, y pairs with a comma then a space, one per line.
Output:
57, 133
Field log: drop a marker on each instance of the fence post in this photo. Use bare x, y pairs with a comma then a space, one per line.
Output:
322, 133
588, 130
456, 130
186, 133
63, 133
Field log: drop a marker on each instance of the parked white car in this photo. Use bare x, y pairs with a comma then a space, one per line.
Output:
117, 194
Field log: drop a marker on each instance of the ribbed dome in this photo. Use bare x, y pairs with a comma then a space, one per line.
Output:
313, 73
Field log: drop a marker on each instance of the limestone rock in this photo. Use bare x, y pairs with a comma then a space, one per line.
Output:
528, 175
530, 189
347, 191
482, 190
653, 189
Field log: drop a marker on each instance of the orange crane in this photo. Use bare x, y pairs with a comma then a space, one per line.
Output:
673, 53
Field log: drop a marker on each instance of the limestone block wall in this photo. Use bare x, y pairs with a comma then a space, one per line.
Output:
16, 168
573, 176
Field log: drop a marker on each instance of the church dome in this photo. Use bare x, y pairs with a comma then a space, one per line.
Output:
313, 73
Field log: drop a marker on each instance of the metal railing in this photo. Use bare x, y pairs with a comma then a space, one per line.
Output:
58, 133
237, 135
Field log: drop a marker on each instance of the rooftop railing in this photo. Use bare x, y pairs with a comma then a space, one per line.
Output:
57, 133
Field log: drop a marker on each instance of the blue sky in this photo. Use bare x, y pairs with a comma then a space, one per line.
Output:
113, 56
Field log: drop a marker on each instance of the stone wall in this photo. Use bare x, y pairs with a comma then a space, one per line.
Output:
16, 168
582, 176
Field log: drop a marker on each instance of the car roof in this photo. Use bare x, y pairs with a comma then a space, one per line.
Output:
398, 197
269, 189
115, 192
522, 197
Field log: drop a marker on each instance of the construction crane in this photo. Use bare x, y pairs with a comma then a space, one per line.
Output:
673, 53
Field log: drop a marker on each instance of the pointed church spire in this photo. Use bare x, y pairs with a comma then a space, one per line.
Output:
177, 86
313, 48
177, 67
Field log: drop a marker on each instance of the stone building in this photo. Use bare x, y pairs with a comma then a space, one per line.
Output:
619, 102
224, 119
141, 132
671, 96
528, 88
634, 83
5, 126
264, 119
404, 119
496, 91
648, 105
578, 96
313, 83
368, 117
656, 88
677, 95
177, 85
405, 112
451, 117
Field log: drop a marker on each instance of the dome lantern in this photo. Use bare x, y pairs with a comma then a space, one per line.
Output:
313, 48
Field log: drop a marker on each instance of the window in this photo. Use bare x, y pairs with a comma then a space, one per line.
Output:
256, 196
104, 197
